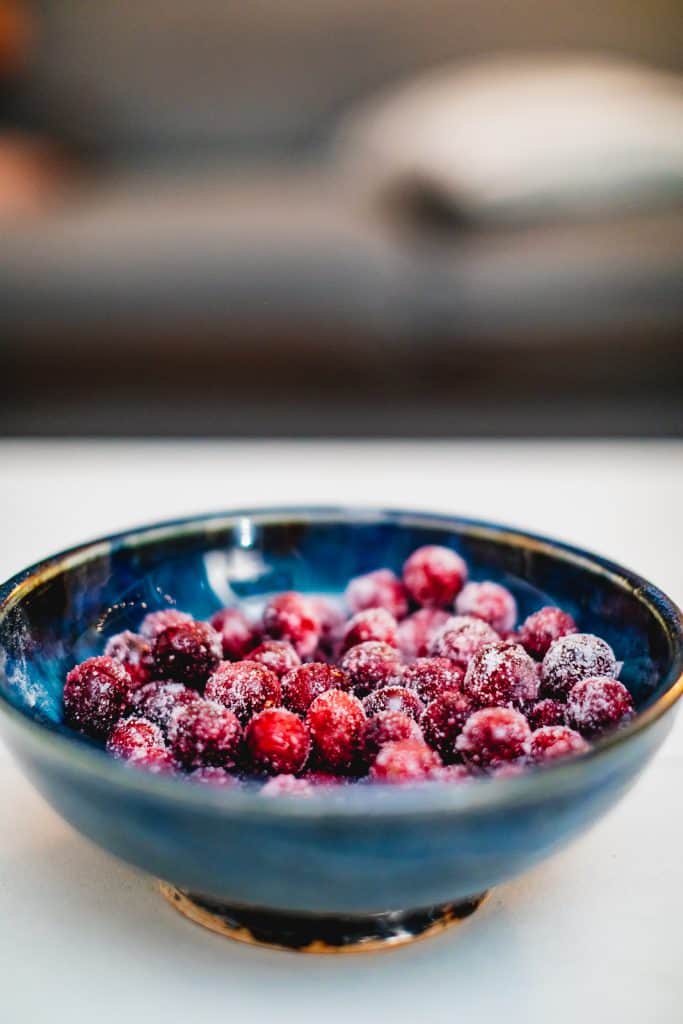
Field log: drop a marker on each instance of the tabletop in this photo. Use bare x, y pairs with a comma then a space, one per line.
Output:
594, 930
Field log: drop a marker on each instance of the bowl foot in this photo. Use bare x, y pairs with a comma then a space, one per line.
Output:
319, 933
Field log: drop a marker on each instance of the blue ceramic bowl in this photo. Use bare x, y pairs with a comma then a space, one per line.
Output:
362, 865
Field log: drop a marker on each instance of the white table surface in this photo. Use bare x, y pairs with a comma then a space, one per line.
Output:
593, 934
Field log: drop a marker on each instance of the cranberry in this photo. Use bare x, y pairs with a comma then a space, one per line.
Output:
277, 655
490, 602
501, 673
379, 589
415, 634
371, 665
393, 698
572, 658
134, 651
405, 761
451, 773
246, 687
494, 735
543, 627
431, 676
598, 703
372, 624
460, 638
237, 633
336, 722
140, 743
434, 575
553, 741
331, 620
389, 727
157, 701
301, 686
96, 694
545, 712
156, 622
210, 775
277, 742
187, 653
292, 617
443, 720
286, 785
204, 733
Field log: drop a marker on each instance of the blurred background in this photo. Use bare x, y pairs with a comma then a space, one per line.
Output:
326, 218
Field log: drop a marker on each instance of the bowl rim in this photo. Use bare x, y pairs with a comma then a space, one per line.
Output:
433, 799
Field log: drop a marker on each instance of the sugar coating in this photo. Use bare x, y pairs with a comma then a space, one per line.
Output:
393, 698
371, 665
187, 653
598, 703
134, 651
277, 655
494, 735
488, 601
553, 741
204, 733
389, 727
429, 677
404, 761
572, 658
238, 635
501, 673
336, 721
291, 616
416, 632
433, 575
156, 622
157, 701
96, 694
302, 685
545, 712
379, 589
444, 719
245, 687
277, 742
540, 629
372, 624
460, 638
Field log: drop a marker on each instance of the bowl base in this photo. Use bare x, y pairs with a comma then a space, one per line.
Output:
320, 933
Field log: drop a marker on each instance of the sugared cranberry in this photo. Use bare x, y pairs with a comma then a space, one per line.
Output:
156, 622
246, 687
494, 735
187, 653
553, 741
210, 775
96, 694
545, 712
543, 627
434, 575
336, 722
286, 785
598, 703
460, 638
572, 658
443, 721
372, 624
277, 742
134, 651
490, 602
405, 761
451, 773
379, 589
301, 686
291, 616
141, 743
393, 698
501, 673
389, 727
237, 634
429, 677
277, 655
371, 665
204, 733
415, 634
157, 701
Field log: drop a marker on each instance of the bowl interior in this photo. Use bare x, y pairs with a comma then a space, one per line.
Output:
62, 611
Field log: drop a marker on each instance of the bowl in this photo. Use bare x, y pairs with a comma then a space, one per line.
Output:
363, 867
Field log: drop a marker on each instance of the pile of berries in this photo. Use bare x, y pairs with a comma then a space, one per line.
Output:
424, 678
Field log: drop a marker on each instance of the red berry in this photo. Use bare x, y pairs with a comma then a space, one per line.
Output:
96, 694
393, 698
443, 720
332, 621
460, 638
291, 616
389, 727
277, 742
405, 761
379, 589
543, 627
371, 665
286, 785
237, 633
157, 701
301, 686
598, 703
431, 676
277, 655
210, 775
553, 741
572, 658
415, 634
156, 622
494, 735
246, 687
372, 624
490, 602
501, 673
336, 722
187, 653
140, 743
451, 773
204, 733
134, 651
545, 712
434, 575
